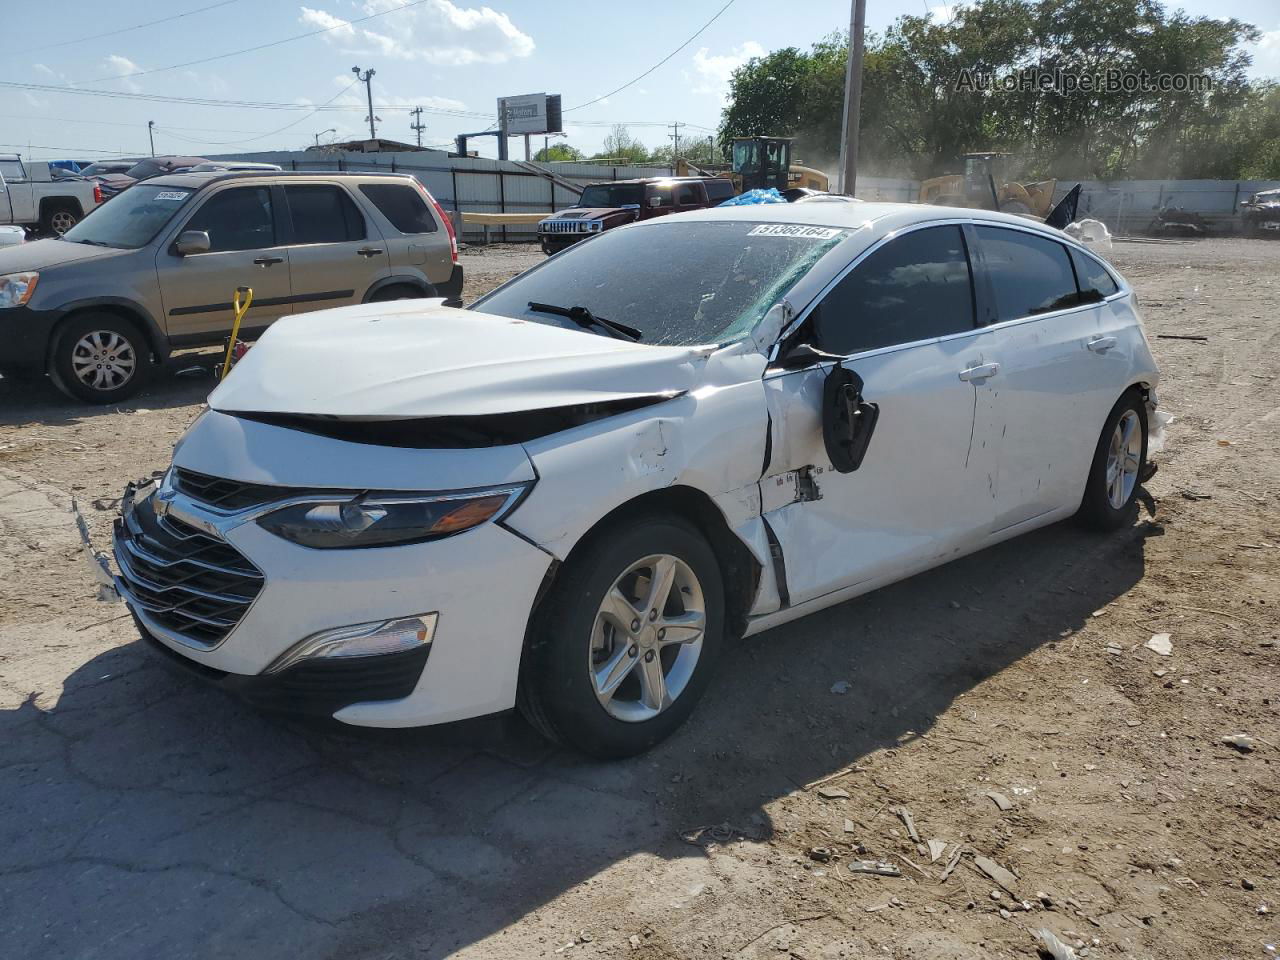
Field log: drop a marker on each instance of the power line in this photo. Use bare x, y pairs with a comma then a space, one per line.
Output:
74, 150
271, 133
261, 46
660, 62
136, 26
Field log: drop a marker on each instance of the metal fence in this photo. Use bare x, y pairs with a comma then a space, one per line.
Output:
496, 186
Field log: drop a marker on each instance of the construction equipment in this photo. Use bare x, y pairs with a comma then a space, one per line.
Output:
758, 164
985, 184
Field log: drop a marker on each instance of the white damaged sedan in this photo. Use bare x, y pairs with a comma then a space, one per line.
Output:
570, 496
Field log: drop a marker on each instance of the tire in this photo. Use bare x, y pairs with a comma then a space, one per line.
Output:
399, 292
124, 355
1109, 505
58, 218
574, 639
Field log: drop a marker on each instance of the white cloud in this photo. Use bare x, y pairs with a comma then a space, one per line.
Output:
1266, 55
122, 67
713, 71
438, 31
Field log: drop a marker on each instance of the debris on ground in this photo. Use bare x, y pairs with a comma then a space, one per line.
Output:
840, 686
1161, 643
833, 793
936, 849
1241, 741
1050, 944
952, 864
997, 873
904, 815
877, 867
1000, 800
821, 854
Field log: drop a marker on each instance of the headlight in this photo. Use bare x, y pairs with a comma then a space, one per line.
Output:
389, 519
17, 288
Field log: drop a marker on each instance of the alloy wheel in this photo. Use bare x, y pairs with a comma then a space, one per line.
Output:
62, 221
647, 638
103, 360
1123, 459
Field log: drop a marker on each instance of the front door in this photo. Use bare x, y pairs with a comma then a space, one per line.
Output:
334, 254
905, 319
198, 289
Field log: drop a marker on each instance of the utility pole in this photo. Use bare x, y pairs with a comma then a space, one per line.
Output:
502, 129
151, 125
367, 80
675, 140
852, 100
417, 126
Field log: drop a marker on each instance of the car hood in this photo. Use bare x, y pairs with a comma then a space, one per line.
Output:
406, 360
591, 213
43, 254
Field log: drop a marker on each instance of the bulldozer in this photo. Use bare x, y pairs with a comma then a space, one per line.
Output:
985, 184
760, 163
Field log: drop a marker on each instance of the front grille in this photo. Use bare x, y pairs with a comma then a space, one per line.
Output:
222, 494
187, 581
565, 226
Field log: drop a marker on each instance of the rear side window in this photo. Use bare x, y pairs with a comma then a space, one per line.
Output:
915, 287
663, 193
323, 214
1095, 280
686, 195
403, 206
237, 219
718, 190
1030, 274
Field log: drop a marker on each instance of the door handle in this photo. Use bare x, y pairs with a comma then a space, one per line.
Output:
267, 261
1101, 344
980, 372
368, 251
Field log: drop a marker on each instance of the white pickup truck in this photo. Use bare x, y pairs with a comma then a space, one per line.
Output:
32, 196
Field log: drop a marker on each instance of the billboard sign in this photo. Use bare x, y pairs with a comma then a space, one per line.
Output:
531, 113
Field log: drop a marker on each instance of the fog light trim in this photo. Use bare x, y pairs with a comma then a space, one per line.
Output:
361, 640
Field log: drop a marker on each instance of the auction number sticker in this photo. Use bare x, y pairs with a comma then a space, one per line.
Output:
794, 230
172, 195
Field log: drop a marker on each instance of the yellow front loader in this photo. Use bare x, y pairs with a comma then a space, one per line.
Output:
985, 184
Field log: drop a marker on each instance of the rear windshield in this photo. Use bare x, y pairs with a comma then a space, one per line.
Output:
612, 195
132, 219
678, 283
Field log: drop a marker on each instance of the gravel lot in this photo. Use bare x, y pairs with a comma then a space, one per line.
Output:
142, 815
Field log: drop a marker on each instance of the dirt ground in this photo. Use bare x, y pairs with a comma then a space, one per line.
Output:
1006, 705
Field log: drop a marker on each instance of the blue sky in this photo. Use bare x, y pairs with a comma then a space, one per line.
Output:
452, 57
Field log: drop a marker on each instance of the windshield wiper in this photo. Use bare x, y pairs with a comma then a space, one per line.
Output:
586, 319
92, 243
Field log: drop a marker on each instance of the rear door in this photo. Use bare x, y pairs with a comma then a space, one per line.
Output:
415, 241
335, 253
905, 319
690, 196
198, 289
1061, 370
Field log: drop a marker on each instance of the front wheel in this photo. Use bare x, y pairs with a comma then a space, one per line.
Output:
100, 358
628, 639
1110, 494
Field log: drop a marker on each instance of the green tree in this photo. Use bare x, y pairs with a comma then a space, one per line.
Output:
557, 151
620, 145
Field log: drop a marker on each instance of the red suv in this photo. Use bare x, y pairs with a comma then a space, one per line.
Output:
604, 206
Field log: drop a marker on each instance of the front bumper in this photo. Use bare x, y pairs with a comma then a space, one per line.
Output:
25, 334
482, 584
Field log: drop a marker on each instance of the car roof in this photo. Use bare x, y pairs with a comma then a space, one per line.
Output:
887, 216
644, 180
200, 178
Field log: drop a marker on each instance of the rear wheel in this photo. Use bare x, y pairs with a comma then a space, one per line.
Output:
57, 219
100, 358
627, 639
399, 292
1110, 496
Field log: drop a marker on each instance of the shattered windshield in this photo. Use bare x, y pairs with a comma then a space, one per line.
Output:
612, 195
677, 283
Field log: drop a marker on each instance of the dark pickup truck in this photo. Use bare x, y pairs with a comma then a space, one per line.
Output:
604, 206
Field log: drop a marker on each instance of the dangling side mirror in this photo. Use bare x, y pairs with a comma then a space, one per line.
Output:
848, 421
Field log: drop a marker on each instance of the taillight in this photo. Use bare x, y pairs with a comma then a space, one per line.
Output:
97, 193
448, 222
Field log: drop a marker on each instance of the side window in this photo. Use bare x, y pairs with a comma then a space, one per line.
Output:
913, 288
403, 206
663, 193
686, 195
1030, 274
236, 219
719, 190
323, 214
1096, 282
